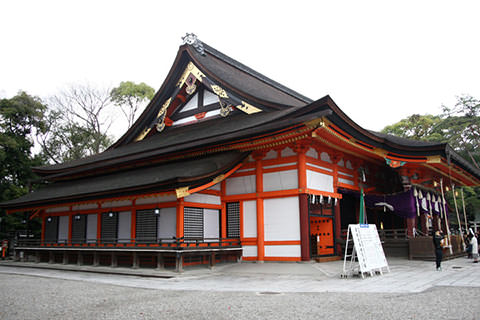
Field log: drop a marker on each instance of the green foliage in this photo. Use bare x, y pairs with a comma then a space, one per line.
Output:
20, 118
129, 97
418, 127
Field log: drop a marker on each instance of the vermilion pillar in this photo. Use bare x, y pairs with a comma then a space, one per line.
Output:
258, 156
303, 202
133, 225
304, 227
223, 219
180, 207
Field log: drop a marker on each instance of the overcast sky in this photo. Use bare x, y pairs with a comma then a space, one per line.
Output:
380, 61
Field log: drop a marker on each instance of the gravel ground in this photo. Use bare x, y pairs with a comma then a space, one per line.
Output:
28, 297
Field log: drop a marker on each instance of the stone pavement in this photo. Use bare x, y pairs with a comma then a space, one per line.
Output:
405, 276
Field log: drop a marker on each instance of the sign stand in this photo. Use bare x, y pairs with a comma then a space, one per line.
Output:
366, 248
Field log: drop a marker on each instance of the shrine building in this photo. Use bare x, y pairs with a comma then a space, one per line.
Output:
225, 163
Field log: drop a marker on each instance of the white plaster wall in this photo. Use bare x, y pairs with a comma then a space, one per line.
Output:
312, 153
211, 224
216, 187
124, 226
167, 223
85, 206
272, 154
325, 157
250, 251
282, 180
287, 152
250, 219
240, 185
350, 182
283, 251
203, 198
91, 228
348, 165
320, 167
63, 229
113, 204
319, 181
159, 199
57, 209
281, 219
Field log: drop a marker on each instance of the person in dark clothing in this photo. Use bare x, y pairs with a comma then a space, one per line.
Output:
438, 244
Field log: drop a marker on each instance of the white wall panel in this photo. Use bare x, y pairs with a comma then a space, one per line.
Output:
348, 165
91, 228
283, 251
287, 152
282, 180
320, 167
203, 198
281, 219
63, 222
85, 206
216, 187
240, 185
249, 251
312, 153
325, 157
272, 154
124, 226
250, 219
159, 199
211, 224
350, 182
120, 203
57, 209
167, 223
319, 181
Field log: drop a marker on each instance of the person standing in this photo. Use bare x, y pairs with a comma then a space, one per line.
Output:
438, 244
474, 244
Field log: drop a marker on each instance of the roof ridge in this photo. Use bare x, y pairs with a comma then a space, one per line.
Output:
240, 66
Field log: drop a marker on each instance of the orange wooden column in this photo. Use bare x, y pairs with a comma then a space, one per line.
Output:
258, 156
180, 207
44, 221
223, 213
336, 157
99, 224
133, 222
70, 225
301, 150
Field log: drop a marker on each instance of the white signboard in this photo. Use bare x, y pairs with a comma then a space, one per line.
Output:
368, 247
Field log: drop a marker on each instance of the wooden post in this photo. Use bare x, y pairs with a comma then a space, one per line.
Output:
212, 260
179, 262
180, 217
80, 258
160, 263
65, 257
95, 259
458, 217
134, 260
113, 260
258, 156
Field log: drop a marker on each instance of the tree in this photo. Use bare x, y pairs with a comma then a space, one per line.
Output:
418, 127
21, 117
77, 124
129, 97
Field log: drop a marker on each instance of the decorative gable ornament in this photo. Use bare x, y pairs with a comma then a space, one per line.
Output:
192, 40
